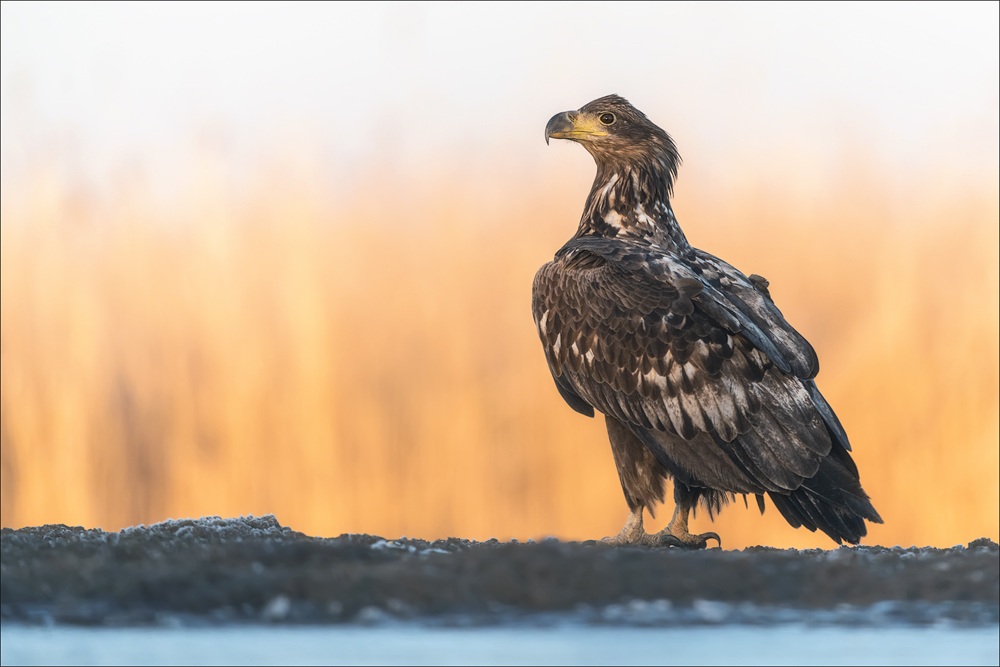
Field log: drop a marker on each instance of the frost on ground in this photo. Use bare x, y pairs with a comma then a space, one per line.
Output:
252, 569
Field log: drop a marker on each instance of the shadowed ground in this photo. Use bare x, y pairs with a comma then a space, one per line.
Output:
253, 569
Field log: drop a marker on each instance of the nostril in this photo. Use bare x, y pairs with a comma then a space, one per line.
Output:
571, 115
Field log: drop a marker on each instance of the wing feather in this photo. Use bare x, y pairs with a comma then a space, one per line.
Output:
691, 353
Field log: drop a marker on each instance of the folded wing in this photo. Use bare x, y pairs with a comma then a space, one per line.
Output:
691, 356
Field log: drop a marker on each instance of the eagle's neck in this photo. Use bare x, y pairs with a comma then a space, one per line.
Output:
632, 200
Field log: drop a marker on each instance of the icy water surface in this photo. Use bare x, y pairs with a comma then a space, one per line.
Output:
568, 644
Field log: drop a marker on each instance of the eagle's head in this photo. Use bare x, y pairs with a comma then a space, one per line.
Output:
617, 134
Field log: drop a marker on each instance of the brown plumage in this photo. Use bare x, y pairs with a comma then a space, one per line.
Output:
698, 374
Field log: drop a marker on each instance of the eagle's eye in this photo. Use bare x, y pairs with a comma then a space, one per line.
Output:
607, 118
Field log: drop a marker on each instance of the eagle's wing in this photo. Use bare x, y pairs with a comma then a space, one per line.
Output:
728, 293
689, 349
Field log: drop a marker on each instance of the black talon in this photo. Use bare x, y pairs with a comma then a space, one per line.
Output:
705, 537
671, 541
692, 541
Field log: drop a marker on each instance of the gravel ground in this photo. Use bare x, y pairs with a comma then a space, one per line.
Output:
222, 571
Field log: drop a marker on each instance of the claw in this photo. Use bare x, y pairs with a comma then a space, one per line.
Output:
678, 526
705, 537
666, 538
669, 540
701, 541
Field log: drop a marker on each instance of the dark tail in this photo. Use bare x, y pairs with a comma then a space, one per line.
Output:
832, 501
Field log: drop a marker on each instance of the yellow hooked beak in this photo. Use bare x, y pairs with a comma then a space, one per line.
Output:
574, 126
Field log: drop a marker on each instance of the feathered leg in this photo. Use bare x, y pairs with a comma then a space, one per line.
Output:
642, 479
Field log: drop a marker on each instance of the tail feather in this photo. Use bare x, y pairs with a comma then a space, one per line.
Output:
831, 501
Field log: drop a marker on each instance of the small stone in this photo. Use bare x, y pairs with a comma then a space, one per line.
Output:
371, 615
277, 609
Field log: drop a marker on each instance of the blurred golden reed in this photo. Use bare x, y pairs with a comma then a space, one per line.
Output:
369, 363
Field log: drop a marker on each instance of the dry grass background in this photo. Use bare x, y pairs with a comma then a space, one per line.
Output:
368, 363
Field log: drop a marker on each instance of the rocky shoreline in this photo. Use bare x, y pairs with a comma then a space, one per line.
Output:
253, 570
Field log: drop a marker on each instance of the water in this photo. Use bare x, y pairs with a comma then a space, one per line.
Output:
566, 644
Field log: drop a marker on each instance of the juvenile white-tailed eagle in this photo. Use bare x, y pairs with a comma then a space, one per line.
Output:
699, 376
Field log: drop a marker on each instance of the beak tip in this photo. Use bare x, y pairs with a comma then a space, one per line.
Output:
559, 125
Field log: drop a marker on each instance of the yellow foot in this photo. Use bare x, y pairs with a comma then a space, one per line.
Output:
650, 540
622, 539
633, 533
674, 535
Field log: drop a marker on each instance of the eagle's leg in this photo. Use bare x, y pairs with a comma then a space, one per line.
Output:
632, 532
678, 526
642, 479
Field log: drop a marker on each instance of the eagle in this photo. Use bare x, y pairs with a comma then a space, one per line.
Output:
699, 376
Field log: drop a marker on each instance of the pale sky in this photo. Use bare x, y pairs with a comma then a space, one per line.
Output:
97, 85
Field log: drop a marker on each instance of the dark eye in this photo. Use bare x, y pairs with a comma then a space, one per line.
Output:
607, 118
